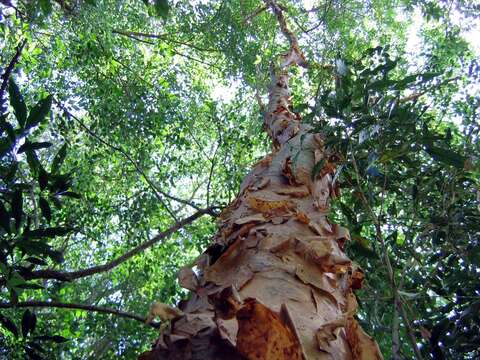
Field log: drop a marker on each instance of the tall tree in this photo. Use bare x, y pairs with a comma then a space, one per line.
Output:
276, 283
126, 125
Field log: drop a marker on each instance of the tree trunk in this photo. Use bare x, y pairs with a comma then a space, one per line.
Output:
276, 283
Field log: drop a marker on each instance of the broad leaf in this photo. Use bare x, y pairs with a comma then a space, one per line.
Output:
39, 112
162, 8
9, 325
17, 102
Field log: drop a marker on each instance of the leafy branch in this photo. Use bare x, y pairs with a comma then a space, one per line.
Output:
92, 308
157, 191
8, 70
72, 275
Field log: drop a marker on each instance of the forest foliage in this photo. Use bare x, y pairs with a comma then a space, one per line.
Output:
125, 126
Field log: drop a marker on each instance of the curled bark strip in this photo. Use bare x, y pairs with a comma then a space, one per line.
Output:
263, 336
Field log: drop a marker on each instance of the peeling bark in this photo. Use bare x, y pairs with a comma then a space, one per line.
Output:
275, 283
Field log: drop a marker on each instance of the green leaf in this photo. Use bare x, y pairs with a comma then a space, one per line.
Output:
9, 325
29, 321
55, 338
362, 241
402, 84
474, 256
380, 84
446, 156
5, 126
15, 280
429, 76
17, 207
393, 154
36, 261
39, 112
10, 175
317, 168
46, 6
56, 256
58, 159
49, 232
5, 147
32, 160
42, 178
70, 194
4, 218
162, 8
408, 295
349, 214
33, 247
363, 251
45, 208
30, 286
17, 102
34, 146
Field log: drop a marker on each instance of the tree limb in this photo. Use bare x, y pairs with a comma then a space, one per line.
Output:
72, 275
137, 35
258, 11
277, 10
93, 308
8, 70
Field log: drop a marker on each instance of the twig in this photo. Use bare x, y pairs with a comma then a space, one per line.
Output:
137, 35
100, 309
258, 11
155, 188
391, 275
395, 331
72, 275
10, 67
415, 96
211, 174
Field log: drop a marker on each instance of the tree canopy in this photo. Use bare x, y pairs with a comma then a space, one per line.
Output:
126, 126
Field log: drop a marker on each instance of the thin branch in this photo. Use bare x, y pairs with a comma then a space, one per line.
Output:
139, 39
100, 309
210, 65
137, 35
212, 167
258, 11
154, 187
396, 331
10, 67
64, 6
391, 275
72, 275
415, 96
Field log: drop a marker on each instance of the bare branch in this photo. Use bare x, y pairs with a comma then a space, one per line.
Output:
54, 304
72, 275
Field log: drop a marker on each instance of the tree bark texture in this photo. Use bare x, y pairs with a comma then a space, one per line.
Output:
276, 283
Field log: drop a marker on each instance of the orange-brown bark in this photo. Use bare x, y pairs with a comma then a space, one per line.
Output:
275, 283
